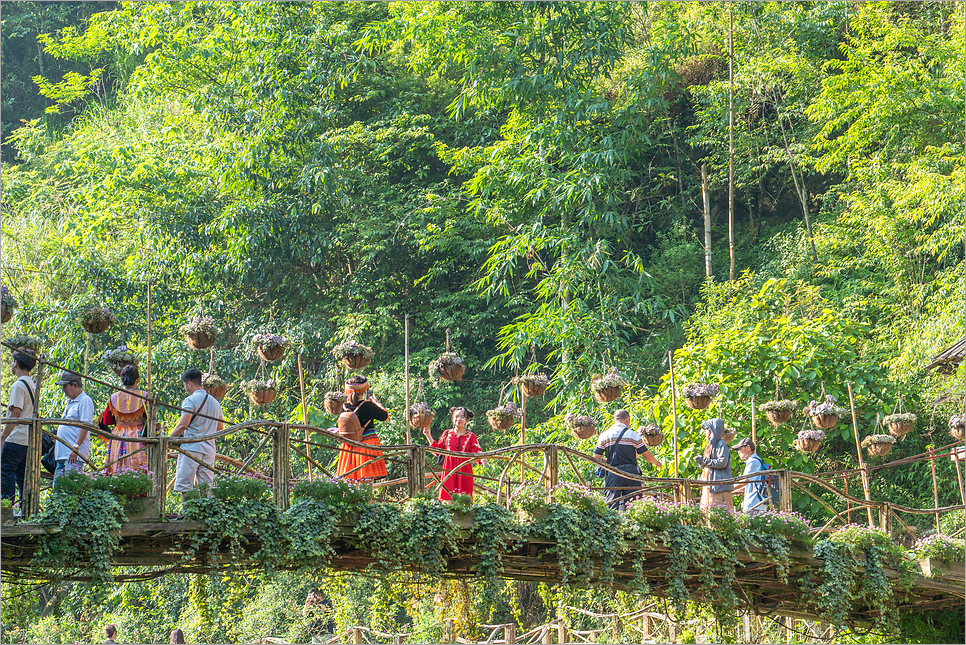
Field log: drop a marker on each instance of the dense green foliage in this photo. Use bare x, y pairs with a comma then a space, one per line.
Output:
526, 176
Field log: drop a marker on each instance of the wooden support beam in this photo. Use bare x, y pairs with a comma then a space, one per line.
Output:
858, 450
281, 466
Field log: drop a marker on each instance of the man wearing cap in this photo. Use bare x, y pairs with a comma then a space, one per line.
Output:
79, 407
754, 488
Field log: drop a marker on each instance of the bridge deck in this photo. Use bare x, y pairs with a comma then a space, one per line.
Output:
162, 545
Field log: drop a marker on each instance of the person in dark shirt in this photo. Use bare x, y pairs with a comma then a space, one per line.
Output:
368, 410
619, 446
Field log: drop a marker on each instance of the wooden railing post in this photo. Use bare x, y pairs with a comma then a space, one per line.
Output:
450, 628
551, 470
561, 631
158, 456
885, 517
416, 469
30, 504
785, 490
511, 633
282, 468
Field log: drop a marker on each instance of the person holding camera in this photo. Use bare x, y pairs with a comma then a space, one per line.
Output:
619, 447
357, 423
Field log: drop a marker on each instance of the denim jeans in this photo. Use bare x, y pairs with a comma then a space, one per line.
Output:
64, 467
13, 465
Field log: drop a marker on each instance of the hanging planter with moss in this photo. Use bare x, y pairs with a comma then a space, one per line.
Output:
899, 424
651, 434
697, 396
824, 415
201, 332
778, 412
421, 415
957, 427
118, 359
214, 385
7, 304
33, 343
96, 320
809, 440
504, 416
259, 392
581, 425
878, 445
607, 386
449, 367
532, 384
333, 401
269, 347
354, 355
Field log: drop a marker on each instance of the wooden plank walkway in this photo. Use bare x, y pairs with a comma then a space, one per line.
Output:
162, 545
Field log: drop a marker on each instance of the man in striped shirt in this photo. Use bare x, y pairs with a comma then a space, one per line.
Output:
619, 446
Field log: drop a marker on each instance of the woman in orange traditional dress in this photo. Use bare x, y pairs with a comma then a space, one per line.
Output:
456, 439
368, 411
128, 414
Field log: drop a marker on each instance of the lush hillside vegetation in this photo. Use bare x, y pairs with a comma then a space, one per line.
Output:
527, 176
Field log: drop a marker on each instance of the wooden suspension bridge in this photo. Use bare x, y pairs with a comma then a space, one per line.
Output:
279, 449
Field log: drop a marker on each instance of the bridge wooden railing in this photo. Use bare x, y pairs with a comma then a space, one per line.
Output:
282, 452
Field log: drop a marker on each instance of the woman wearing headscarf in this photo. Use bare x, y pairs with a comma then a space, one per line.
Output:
367, 410
456, 439
126, 415
716, 464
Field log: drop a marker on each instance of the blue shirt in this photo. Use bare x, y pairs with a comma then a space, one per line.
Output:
81, 409
756, 487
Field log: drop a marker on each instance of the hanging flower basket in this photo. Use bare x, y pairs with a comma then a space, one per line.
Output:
7, 304
651, 434
33, 343
899, 424
449, 367
778, 412
728, 435
96, 320
259, 392
878, 445
353, 355
332, 402
582, 426
607, 386
532, 384
421, 416
201, 332
957, 427
118, 359
824, 415
503, 417
214, 385
809, 440
269, 347
697, 396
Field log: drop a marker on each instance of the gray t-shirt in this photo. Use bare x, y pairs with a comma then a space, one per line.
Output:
201, 426
20, 398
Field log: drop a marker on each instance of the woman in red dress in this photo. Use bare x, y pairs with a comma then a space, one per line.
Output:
456, 439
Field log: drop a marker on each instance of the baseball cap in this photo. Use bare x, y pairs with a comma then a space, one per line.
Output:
68, 377
744, 442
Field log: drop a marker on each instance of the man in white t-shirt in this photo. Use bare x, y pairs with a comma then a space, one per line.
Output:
80, 407
22, 404
202, 417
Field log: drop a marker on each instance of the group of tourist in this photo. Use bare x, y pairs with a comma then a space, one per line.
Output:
125, 417
127, 412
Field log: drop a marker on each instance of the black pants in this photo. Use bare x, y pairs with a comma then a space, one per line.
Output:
617, 487
13, 466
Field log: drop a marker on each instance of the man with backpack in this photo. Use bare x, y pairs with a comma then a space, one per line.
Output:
756, 489
21, 404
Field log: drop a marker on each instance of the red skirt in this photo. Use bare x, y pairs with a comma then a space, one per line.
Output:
351, 457
461, 481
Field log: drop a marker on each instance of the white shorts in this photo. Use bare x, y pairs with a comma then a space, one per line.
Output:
190, 473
